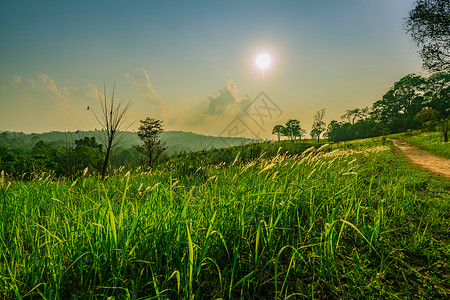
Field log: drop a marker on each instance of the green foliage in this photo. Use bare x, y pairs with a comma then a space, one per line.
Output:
342, 224
444, 128
400, 104
412, 102
60, 161
429, 25
292, 130
279, 130
428, 118
339, 131
152, 147
177, 141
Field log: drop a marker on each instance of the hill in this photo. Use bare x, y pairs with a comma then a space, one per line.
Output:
177, 141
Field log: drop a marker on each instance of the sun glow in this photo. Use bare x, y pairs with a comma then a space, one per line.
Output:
263, 61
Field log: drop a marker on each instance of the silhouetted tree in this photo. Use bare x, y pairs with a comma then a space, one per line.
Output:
401, 103
292, 129
352, 115
152, 147
319, 125
279, 130
429, 25
111, 120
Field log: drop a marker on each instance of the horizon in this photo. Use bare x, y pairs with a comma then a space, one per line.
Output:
194, 65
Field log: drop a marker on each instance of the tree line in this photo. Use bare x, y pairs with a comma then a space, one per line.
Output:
293, 131
86, 155
414, 102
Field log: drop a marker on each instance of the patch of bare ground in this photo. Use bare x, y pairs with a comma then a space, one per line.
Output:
424, 159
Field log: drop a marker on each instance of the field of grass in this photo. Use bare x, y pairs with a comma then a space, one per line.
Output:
429, 141
351, 221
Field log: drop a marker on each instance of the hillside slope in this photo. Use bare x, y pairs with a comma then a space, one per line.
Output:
177, 141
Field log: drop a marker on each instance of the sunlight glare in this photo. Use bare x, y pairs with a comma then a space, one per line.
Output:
263, 61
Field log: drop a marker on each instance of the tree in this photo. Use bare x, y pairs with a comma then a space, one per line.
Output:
319, 125
111, 120
153, 147
314, 133
429, 25
87, 154
293, 129
279, 130
401, 103
428, 118
354, 114
444, 128
437, 93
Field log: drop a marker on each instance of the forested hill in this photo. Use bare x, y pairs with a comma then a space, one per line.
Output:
177, 141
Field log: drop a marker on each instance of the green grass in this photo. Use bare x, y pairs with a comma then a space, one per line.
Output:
346, 222
429, 141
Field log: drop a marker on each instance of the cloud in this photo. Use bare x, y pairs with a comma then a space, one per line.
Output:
227, 101
141, 79
216, 112
41, 105
15, 80
90, 91
46, 84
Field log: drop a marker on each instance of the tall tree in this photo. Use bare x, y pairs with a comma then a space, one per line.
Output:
112, 120
352, 115
444, 128
429, 25
401, 103
152, 147
279, 130
319, 125
293, 129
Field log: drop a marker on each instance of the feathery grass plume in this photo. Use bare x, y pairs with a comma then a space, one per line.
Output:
236, 158
267, 167
307, 151
310, 174
349, 173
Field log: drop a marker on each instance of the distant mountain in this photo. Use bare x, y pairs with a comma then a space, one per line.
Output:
177, 141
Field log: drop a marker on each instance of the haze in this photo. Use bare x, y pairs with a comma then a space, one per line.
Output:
192, 63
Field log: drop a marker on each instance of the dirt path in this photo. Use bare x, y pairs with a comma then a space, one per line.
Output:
433, 163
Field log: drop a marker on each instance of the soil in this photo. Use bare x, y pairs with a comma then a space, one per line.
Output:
424, 159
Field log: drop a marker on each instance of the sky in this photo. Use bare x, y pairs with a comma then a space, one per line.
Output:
192, 63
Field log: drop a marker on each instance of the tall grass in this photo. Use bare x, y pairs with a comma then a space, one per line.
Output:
345, 223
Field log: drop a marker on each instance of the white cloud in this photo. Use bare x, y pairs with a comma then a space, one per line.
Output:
227, 101
46, 84
216, 112
141, 79
89, 90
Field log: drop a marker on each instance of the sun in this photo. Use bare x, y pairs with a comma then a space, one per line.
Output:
263, 61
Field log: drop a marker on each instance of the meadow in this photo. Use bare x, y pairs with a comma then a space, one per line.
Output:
353, 220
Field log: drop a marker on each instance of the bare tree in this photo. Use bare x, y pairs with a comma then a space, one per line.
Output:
318, 125
111, 120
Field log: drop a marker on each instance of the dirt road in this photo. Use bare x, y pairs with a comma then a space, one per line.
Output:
424, 159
